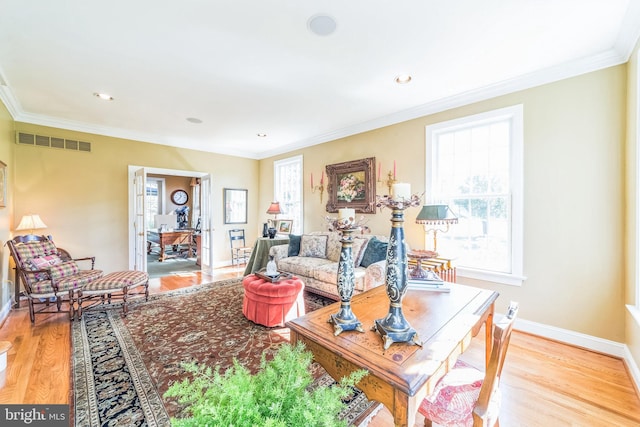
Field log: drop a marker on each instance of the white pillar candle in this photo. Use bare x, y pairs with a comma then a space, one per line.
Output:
400, 191
346, 213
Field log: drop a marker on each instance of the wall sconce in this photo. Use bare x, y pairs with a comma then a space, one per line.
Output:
436, 216
31, 222
320, 187
391, 177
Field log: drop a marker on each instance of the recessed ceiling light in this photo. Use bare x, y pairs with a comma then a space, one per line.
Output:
321, 25
104, 96
403, 79
194, 120
262, 135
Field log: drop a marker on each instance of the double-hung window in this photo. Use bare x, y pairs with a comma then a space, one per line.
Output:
288, 190
475, 165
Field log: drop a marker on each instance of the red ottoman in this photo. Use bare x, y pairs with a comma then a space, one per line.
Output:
272, 304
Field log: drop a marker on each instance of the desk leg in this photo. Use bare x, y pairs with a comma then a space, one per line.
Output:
161, 252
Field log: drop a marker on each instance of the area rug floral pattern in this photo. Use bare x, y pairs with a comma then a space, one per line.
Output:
123, 365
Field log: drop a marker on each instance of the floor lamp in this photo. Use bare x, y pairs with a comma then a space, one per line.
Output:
436, 218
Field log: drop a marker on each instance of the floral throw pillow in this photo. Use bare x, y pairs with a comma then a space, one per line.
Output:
314, 246
43, 263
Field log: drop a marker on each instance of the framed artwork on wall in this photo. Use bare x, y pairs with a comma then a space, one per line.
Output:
352, 185
235, 206
3, 184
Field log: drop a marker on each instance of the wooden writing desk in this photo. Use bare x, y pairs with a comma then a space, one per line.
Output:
404, 374
169, 238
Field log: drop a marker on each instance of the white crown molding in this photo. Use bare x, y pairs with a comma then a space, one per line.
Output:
574, 68
549, 75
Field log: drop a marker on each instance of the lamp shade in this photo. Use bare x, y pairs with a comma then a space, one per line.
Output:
30, 222
436, 214
274, 208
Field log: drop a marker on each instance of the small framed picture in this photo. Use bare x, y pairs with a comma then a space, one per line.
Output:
284, 226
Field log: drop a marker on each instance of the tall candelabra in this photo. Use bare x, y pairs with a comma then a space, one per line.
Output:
345, 319
394, 327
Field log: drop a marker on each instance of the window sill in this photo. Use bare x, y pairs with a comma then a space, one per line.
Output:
489, 276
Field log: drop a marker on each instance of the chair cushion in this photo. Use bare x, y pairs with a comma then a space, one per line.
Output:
64, 269
79, 280
314, 246
36, 249
455, 396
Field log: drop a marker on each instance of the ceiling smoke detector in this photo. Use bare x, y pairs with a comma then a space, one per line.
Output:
321, 25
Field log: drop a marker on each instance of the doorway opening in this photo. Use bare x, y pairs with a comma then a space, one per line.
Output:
167, 221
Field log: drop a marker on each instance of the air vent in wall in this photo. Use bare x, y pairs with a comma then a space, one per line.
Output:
53, 142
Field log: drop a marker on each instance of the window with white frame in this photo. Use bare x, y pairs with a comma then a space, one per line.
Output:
475, 165
288, 190
155, 200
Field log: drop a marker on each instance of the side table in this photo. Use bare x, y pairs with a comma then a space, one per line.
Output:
260, 253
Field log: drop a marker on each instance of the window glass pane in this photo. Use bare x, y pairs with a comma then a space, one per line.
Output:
471, 160
288, 190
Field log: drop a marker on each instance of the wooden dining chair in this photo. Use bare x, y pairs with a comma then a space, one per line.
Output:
239, 248
466, 396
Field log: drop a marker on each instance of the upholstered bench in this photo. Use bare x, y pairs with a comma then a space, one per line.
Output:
272, 304
112, 286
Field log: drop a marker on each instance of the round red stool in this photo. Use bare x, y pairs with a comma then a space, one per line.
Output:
272, 304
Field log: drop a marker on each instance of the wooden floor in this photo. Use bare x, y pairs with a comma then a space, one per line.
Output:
545, 383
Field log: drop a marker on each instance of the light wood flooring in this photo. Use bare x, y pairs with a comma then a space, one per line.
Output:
545, 383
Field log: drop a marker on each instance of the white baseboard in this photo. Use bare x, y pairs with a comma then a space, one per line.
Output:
6, 308
589, 342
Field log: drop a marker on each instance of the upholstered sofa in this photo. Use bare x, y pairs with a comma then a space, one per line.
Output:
314, 258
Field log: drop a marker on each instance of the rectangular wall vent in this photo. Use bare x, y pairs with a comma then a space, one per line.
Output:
52, 142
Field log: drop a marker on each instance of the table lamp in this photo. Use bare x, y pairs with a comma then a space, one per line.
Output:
435, 216
274, 209
31, 222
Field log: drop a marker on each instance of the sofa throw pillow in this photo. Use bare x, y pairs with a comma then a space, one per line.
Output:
294, 245
376, 251
314, 246
357, 249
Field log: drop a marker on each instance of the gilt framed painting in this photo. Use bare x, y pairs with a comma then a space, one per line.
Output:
352, 185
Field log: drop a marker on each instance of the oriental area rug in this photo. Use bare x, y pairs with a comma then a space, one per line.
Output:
122, 366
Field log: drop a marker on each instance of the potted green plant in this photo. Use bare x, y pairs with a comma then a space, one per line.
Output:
277, 396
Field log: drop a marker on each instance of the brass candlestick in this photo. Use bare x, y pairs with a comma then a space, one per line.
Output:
319, 188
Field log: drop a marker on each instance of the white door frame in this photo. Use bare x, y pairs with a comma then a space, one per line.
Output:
132, 199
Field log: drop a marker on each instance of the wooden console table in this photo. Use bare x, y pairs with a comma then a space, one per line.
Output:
404, 374
169, 238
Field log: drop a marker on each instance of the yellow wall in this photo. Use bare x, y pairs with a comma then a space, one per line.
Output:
573, 154
632, 324
574, 194
6, 156
83, 197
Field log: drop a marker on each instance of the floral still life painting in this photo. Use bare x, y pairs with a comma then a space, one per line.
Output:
351, 186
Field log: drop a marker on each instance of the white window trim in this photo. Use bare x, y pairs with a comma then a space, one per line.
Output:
515, 114
288, 160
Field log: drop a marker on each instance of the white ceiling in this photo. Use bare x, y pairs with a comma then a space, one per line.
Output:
245, 67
